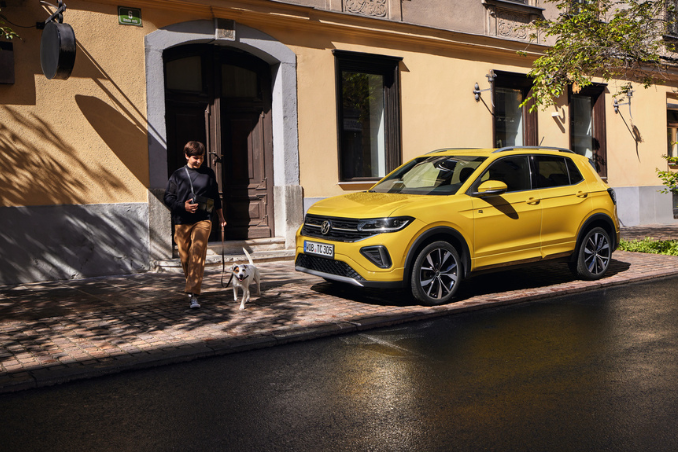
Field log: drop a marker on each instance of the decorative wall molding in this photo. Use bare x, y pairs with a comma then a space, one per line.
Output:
509, 24
506, 19
373, 8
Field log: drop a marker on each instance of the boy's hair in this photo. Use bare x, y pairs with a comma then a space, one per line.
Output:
194, 148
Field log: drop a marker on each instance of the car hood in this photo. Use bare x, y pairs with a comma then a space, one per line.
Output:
364, 204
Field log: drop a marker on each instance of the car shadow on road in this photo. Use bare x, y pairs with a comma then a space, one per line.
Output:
499, 282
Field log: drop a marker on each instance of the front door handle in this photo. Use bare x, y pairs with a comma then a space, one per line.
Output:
533, 201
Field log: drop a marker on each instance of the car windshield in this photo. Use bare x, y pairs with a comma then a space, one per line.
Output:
434, 175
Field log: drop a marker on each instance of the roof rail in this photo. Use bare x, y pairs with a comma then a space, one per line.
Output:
452, 149
550, 148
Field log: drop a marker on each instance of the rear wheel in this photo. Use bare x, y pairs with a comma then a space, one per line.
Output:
593, 256
436, 274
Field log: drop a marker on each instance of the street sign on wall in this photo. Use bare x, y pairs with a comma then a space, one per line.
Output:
129, 16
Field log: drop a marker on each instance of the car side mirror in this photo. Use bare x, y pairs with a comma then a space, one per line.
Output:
490, 188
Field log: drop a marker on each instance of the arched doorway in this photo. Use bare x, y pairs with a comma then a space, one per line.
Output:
288, 194
222, 97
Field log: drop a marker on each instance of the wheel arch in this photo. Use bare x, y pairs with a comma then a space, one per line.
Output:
596, 220
445, 233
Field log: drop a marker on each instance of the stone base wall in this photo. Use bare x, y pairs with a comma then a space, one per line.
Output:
73, 241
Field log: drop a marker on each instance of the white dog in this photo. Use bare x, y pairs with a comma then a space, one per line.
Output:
243, 275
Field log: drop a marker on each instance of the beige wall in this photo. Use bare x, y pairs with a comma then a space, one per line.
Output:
84, 140
439, 110
81, 140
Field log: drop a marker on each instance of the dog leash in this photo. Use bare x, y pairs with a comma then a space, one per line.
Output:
223, 262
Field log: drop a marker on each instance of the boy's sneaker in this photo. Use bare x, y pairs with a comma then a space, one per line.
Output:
194, 302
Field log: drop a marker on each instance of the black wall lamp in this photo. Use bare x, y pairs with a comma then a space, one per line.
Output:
616, 104
476, 90
57, 45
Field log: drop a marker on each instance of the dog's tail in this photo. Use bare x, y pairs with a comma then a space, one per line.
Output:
248, 256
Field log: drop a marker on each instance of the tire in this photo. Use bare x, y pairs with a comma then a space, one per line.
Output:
593, 256
436, 274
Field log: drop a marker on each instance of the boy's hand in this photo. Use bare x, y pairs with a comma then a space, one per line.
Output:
190, 208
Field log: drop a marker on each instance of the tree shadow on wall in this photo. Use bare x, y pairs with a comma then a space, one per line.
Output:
126, 139
40, 170
31, 176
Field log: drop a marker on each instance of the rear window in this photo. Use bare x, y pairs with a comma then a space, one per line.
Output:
435, 175
556, 172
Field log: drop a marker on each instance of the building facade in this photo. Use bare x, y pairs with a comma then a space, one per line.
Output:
296, 101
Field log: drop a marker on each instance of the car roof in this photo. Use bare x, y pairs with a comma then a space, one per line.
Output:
486, 152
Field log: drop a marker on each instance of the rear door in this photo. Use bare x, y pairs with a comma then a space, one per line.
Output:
565, 203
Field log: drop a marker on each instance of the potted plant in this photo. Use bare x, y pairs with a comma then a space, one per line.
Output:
672, 161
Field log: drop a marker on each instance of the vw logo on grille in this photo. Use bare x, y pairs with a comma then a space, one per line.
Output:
326, 226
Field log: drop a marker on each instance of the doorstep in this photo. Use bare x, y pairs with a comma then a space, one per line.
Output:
261, 250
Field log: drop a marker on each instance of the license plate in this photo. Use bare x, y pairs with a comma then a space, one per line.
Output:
320, 249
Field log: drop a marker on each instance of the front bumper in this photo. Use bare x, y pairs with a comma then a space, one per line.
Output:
336, 270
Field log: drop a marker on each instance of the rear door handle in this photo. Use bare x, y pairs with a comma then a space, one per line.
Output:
581, 194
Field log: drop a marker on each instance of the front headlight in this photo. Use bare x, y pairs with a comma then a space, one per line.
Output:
390, 224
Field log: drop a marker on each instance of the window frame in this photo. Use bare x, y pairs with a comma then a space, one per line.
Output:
671, 18
524, 83
389, 68
596, 92
672, 126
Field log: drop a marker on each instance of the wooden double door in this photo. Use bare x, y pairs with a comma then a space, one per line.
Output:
222, 97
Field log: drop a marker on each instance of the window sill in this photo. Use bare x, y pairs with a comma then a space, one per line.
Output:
515, 6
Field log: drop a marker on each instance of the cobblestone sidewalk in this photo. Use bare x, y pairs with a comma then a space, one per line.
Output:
59, 331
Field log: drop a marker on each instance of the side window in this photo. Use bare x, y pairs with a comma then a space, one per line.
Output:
551, 172
513, 171
575, 174
368, 113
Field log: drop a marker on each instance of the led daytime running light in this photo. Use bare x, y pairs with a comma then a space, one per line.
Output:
384, 224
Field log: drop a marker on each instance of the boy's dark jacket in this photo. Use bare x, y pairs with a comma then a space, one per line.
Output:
178, 190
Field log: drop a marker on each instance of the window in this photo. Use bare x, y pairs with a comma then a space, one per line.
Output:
672, 141
513, 171
579, 6
582, 126
672, 130
184, 74
672, 18
513, 125
435, 175
556, 172
368, 115
587, 126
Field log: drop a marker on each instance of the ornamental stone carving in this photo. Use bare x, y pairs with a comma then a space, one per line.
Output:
510, 25
376, 8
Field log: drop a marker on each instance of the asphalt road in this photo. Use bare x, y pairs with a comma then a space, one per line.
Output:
595, 371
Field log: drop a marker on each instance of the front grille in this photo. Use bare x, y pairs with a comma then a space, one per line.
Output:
329, 266
342, 229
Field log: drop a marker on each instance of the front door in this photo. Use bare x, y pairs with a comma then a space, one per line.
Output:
246, 145
222, 97
507, 227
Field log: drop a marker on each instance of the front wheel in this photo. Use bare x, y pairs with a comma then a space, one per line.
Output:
593, 256
436, 274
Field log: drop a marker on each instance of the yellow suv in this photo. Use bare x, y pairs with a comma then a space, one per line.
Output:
441, 217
